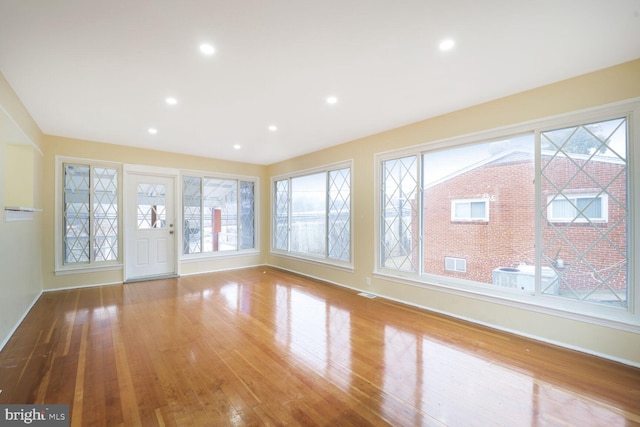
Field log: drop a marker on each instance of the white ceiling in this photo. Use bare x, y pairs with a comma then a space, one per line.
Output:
101, 69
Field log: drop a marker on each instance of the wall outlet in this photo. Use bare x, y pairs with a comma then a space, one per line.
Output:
367, 281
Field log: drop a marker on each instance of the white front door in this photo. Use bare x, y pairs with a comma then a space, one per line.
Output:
150, 227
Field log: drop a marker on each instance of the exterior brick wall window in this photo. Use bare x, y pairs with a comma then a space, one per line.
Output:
578, 208
470, 210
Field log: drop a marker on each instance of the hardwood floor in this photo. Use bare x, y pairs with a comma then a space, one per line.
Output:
265, 347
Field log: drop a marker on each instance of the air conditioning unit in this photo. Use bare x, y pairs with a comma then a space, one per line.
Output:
522, 278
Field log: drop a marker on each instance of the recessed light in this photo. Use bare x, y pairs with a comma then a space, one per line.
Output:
447, 44
207, 49
273, 128
152, 131
171, 100
332, 100
236, 146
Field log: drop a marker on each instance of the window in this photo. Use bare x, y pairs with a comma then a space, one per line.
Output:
591, 260
218, 214
581, 208
281, 225
499, 176
470, 210
90, 214
308, 214
557, 197
312, 214
151, 206
399, 249
455, 264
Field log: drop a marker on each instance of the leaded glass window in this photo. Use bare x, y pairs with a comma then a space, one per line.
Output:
281, 226
339, 212
399, 243
584, 177
312, 214
90, 214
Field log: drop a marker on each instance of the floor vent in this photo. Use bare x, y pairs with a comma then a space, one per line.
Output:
367, 295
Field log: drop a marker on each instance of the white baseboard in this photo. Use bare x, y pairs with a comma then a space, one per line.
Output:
195, 273
15, 327
93, 285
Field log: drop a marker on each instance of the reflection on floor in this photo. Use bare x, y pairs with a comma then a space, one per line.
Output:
261, 346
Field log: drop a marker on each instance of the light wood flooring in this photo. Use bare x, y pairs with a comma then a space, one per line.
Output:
261, 347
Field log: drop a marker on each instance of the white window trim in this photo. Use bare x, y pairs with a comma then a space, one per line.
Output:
625, 319
604, 208
201, 256
456, 202
60, 266
325, 260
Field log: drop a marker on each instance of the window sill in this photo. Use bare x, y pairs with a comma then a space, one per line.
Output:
318, 261
593, 223
87, 269
612, 317
470, 221
217, 255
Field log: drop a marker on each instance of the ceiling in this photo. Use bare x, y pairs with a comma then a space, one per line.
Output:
101, 70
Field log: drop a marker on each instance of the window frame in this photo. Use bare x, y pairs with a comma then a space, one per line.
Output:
92, 265
198, 256
324, 260
622, 318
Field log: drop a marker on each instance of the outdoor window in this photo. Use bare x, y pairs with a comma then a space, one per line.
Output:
312, 214
470, 210
90, 214
558, 202
218, 214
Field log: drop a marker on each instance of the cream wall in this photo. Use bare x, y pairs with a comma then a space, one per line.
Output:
67, 147
595, 89
20, 241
